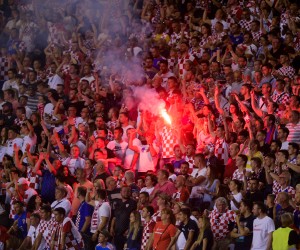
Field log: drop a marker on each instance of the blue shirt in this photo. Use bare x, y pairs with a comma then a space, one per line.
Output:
108, 246
85, 210
22, 226
48, 187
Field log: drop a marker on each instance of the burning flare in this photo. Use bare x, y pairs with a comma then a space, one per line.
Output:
166, 116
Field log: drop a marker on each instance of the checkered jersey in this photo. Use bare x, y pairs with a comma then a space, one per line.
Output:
282, 98
220, 223
245, 24
73, 239
47, 228
175, 38
203, 41
182, 61
4, 67
168, 141
33, 178
196, 52
256, 35
287, 71
172, 62
156, 216
217, 37
222, 151
237, 175
148, 229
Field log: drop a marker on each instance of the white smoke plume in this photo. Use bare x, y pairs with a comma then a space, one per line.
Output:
149, 100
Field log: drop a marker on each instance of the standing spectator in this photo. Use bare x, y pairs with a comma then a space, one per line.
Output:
121, 212
294, 127
61, 200
222, 222
149, 224
135, 231
263, 226
103, 243
66, 234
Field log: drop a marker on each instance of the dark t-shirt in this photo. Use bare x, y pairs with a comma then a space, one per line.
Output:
121, 211
190, 226
210, 240
244, 242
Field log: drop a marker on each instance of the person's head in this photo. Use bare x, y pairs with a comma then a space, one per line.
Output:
45, 212
163, 200
104, 236
125, 192
253, 184
35, 219
184, 214
75, 151
18, 207
144, 197
287, 220
284, 178
168, 216
241, 160
235, 185
270, 200
150, 180
294, 117
147, 212
283, 133
293, 148
59, 214
118, 133
81, 192
256, 163
180, 181
162, 175
123, 118
275, 146
259, 209
184, 168
60, 193
245, 206
199, 160
221, 204
129, 176
269, 120
234, 149
282, 155
283, 199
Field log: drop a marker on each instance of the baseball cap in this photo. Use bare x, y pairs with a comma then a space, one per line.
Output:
22, 181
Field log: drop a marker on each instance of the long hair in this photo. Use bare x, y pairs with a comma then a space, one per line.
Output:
206, 225
135, 226
169, 212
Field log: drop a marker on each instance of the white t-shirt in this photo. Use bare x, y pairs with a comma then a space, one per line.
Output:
31, 141
129, 154
28, 194
146, 161
261, 229
196, 174
118, 148
148, 190
124, 136
53, 81
238, 197
64, 203
103, 211
73, 164
10, 145
32, 233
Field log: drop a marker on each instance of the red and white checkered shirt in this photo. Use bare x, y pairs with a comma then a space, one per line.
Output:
289, 189
172, 62
46, 228
156, 216
182, 60
222, 151
33, 178
148, 229
220, 223
256, 35
168, 142
175, 38
237, 175
196, 52
287, 71
282, 98
245, 24
73, 239
4, 67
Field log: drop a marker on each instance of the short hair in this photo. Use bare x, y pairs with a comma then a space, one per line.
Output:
247, 203
82, 191
185, 163
60, 210
244, 158
257, 160
285, 130
286, 219
129, 174
119, 129
46, 208
62, 190
271, 118
285, 153
186, 211
221, 200
102, 194
150, 210
295, 146
260, 206
164, 172
145, 193
36, 216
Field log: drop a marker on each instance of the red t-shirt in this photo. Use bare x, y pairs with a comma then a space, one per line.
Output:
163, 235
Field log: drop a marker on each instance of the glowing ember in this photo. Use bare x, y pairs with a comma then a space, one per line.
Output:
166, 116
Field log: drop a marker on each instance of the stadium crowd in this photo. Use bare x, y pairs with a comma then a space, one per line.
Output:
150, 124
